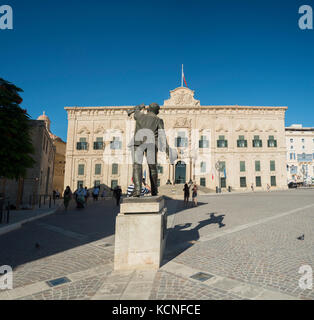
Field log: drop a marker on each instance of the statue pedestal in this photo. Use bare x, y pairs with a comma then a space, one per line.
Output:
140, 233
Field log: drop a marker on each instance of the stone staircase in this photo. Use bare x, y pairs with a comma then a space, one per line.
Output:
177, 190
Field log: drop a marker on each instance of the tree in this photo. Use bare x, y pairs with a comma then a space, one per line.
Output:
15, 134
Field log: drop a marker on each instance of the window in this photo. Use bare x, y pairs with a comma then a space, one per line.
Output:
98, 144
96, 183
241, 143
158, 182
203, 182
258, 181
291, 147
203, 167
114, 183
115, 143
160, 169
80, 183
272, 165
243, 182
223, 182
273, 181
272, 143
222, 143
242, 166
291, 140
181, 140
303, 147
97, 168
203, 142
257, 165
257, 143
114, 169
82, 144
81, 169
302, 140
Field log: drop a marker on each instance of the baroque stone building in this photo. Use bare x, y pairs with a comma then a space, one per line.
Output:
59, 160
300, 154
233, 145
38, 179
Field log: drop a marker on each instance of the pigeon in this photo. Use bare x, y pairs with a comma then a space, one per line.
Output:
301, 237
37, 245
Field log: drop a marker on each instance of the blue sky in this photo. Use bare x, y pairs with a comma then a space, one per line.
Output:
245, 52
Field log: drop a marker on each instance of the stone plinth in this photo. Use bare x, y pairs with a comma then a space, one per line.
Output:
140, 233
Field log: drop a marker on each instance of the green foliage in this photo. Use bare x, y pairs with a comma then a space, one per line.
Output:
15, 138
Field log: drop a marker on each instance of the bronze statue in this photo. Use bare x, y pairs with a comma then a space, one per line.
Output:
149, 134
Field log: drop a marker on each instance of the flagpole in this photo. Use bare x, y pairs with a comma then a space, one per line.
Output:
182, 76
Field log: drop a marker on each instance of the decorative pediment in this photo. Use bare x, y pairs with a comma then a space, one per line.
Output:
240, 127
256, 128
220, 128
271, 128
83, 130
181, 97
100, 129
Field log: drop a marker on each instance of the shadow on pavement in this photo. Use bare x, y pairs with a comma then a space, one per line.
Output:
179, 239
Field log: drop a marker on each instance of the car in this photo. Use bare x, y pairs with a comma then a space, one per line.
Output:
292, 185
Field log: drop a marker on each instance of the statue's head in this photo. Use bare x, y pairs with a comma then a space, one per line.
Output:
154, 107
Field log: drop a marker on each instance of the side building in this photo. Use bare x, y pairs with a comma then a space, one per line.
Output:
300, 154
59, 162
227, 146
38, 179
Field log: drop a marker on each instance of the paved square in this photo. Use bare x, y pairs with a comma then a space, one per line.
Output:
246, 242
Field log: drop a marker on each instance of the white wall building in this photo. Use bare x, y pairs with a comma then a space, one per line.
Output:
300, 154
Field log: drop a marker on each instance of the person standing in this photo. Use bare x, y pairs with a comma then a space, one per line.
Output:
95, 193
194, 194
67, 196
80, 197
86, 195
186, 190
252, 187
268, 187
117, 194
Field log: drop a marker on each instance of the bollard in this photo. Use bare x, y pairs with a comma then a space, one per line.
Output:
39, 201
44, 199
49, 201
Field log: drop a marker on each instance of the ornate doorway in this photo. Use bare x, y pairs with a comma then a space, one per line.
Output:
180, 176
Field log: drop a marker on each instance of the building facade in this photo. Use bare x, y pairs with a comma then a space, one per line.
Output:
224, 146
38, 179
300, 154
59, 162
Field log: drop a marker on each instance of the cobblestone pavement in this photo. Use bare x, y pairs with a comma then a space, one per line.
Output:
246, 244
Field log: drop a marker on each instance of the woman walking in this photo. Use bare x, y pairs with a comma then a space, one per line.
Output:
194, 194
67, 196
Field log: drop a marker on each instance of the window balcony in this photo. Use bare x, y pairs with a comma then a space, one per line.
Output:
242, 143
222, 143
81, 146
98, 145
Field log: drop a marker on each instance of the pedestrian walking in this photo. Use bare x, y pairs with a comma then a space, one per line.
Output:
80, 197
186, 190
268, 187
86, 195
67, 196
95, 193
194, 194
252, 187
103, 194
